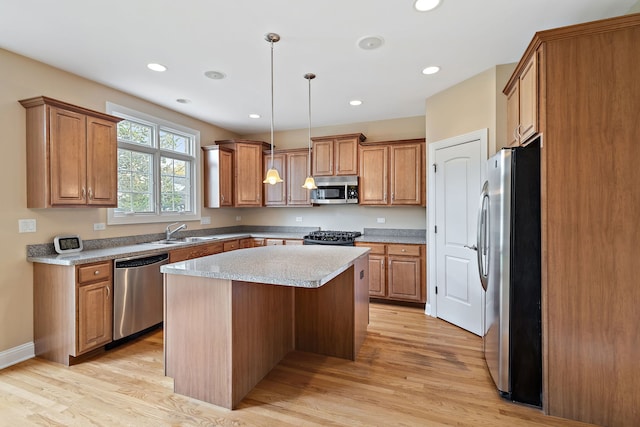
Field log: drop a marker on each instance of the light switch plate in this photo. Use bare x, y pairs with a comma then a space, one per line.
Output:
382, 220
26, 225
238, 218
99, 226
298, 219
205, 220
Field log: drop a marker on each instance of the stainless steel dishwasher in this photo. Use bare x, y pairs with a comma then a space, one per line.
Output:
137, 294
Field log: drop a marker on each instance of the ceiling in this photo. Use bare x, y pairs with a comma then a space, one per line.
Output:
111, 43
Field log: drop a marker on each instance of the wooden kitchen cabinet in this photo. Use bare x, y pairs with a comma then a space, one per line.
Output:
397, 272
73, 309
522, 104
190, 252
71, 155
247, 170
391, 173
217, 176
588, 107
336, 155
292, 165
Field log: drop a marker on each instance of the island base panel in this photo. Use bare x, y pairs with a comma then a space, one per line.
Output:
223, 337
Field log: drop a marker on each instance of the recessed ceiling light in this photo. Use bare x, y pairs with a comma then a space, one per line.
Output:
156, 67
254, 116
431, 70
183, 101
355, 102
370, 42
425, 5
215, 75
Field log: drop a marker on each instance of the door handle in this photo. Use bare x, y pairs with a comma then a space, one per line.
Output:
472, 247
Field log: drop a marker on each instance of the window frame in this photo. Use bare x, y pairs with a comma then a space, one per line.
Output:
114, 218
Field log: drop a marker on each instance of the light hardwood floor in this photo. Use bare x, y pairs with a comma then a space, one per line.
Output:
412, 370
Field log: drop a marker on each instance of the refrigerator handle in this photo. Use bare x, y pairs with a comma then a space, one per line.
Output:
482, 233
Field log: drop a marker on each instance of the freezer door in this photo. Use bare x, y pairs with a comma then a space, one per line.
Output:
496, 339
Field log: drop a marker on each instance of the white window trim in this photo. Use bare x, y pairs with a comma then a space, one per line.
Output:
113, 219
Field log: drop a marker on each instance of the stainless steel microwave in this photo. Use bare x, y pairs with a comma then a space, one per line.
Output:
335, 190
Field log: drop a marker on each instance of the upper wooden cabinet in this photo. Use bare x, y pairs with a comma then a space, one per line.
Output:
391, 173
71, 155
247, 171
217, 176
336, 155
293, 165
522, 104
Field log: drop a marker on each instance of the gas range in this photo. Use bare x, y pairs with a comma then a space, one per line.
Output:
331, 237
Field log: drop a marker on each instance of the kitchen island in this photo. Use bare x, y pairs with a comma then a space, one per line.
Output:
231, 317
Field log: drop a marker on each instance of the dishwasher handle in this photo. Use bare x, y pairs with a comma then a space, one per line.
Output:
141, 262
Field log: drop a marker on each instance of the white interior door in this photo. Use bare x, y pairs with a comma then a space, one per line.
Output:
456, 181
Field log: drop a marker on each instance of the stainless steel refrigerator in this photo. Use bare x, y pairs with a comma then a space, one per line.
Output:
509, 263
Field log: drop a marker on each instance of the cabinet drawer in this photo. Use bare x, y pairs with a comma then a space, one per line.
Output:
376, 248
258, 242
293, 242
406, 250
273, 242
94, 272
231, 245
183, 254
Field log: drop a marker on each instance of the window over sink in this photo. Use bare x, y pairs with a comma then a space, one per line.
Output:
157, 169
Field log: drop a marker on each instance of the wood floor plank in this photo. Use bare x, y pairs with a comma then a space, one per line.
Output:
412, 370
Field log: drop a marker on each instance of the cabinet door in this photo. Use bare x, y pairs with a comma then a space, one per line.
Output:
377, 276
346, 156
248, 179
297, 165
275, 195
323, 158
404, 278
373, 175
528, 102
95, 324
102, 163
68, 145
406, 165
226, 178
513, 116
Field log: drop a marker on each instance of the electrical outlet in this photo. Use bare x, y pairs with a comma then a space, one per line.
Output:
298, 219
26, 225
382, 220
99, 226
205, 220
238, 218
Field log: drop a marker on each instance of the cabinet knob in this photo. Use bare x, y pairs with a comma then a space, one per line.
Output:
95, 273
404, 250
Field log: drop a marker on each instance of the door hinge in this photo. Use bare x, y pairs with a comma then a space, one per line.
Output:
435, 229
436, 290
435, 168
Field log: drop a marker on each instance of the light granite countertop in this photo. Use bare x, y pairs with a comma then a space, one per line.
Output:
299, 266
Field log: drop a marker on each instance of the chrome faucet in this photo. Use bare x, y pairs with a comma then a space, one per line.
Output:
170, 231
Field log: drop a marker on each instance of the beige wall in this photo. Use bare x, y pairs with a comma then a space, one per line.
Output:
473, 104
635, 8
22, 78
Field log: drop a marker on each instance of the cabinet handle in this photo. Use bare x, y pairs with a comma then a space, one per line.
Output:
84, 193
90, 193
393, 196
384, 197
108, 292
222, 198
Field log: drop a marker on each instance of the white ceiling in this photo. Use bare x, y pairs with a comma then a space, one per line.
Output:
112, 41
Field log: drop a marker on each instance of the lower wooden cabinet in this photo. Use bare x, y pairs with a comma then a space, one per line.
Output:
73, 309
198, 251
397, 271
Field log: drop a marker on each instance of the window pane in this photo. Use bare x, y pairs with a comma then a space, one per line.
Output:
175, 142
135, 182
175, 183
135, 133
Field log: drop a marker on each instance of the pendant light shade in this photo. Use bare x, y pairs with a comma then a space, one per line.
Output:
309, 183
273, 177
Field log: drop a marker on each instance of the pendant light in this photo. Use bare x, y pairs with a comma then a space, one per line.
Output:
309, 183
273, 177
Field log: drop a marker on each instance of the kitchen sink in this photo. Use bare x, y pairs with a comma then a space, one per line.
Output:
183, 240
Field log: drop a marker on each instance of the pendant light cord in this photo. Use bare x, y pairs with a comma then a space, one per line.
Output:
309, 156
271, 41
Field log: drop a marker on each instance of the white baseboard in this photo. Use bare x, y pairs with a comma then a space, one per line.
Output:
427, 309
16, 354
